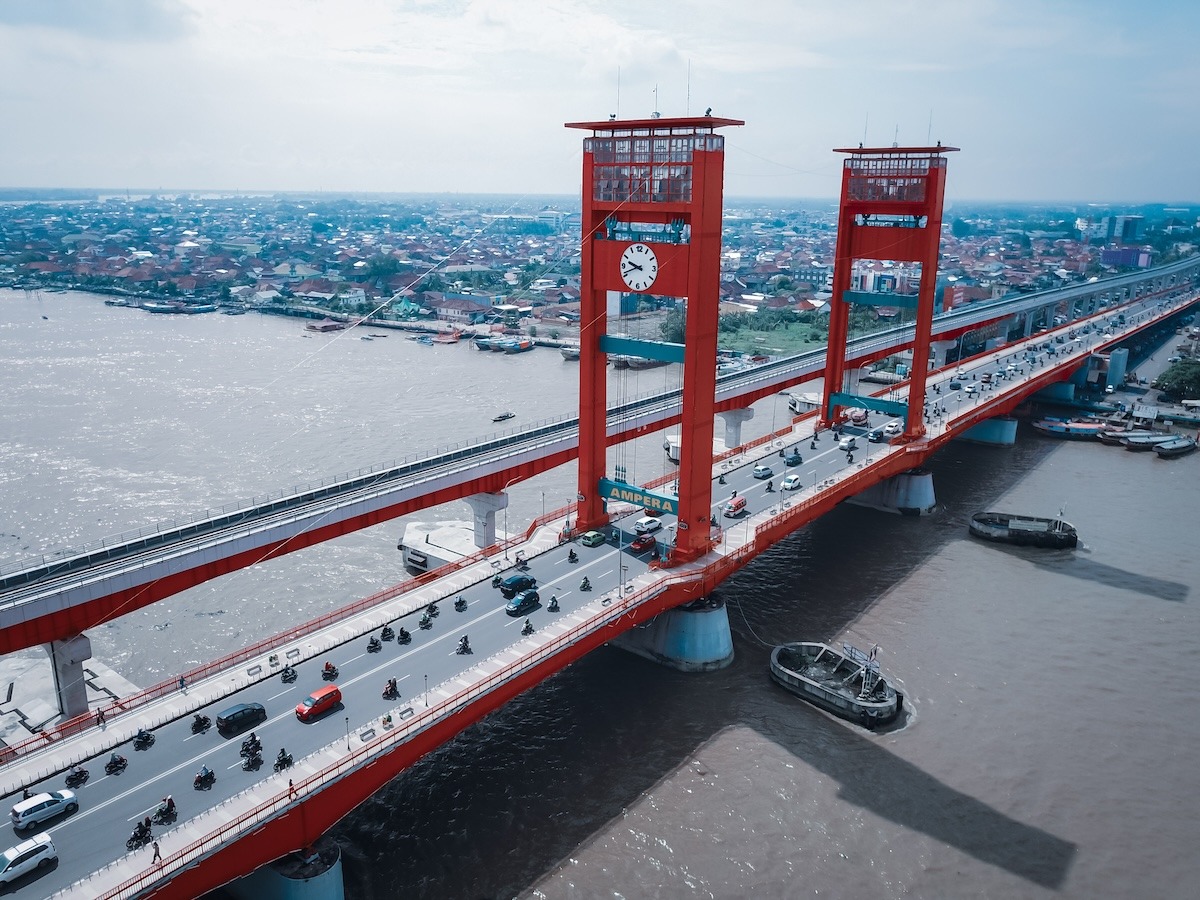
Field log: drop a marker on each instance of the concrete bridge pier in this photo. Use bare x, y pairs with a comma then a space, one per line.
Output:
733, 425
66, 661
908, 494
694, 637
311, 874
485, 507
999, 432
937, 352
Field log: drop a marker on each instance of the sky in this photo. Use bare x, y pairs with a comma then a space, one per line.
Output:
1049, 100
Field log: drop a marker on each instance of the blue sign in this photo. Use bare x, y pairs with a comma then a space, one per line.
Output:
627, 493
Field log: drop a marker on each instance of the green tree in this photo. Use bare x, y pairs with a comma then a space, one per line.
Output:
673, 326
959, 228
1181, 380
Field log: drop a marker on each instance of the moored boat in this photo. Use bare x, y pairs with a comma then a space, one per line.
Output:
1145, 442
847, 684
569, 352
1181, 446
1113, 437
1024, 531
1076, 431
518, 345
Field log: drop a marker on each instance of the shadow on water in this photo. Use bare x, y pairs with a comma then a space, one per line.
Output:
1076, 564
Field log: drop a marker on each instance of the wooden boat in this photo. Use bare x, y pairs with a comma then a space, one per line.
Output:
447, 338
518, 345
1145, 442
848, 684
1075, 431
1181, 446
1024, 531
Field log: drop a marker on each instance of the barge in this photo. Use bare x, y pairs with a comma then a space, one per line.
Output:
847, 684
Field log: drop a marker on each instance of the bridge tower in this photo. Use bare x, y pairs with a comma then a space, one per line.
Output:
652, 205
890, 210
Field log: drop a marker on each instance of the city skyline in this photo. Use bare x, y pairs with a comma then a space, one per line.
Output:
1071, 102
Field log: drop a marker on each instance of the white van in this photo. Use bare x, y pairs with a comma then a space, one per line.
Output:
734, 507
41, 807
647, 525
847, 444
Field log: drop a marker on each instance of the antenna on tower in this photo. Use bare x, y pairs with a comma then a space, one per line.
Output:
866, 121
618, 92
654, 115
896, 136
929, 133
687, 106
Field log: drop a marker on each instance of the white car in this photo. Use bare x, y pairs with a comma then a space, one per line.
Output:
35, 853
847, 444
790, 482
761, 472
41, 807
647, 525
893, 428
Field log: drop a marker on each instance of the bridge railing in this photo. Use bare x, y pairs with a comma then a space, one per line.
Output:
373, 742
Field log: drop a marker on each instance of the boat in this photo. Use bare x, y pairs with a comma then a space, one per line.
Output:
1114, 436
447, 338
1075, 431
366, 337
503, 416
519, 345
639, 362
1024, 531
325, 325
500, 344
177, 307
483, 343
1181, 446
424, 339
116, 301
1145, 442
847, 684
570, 353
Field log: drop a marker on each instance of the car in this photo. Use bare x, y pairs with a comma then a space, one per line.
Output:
972, 388
41, 807
761, 472
514, 584
790, 482
592, 539
643, 542
847, 444
793, 459
240, 716
875, 435
647, 525
523, 602
893, 428
960, 375
955, 384
319, 702
35, 853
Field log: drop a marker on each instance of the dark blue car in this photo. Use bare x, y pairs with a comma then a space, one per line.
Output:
522, 603
514, 584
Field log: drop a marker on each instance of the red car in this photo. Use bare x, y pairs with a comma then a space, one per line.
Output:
643, 542
319, 701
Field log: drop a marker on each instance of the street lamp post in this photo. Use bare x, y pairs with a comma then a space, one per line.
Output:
347, 734
427, 692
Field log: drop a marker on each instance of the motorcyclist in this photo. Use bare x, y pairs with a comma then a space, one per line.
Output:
720, 479
202, 721
585, 585
146, 826
142, 736
528, 629
116, 759
770, 486
167, 806
553, 606
390, 689
404, 635
460, 603
464, 645
205, 773
78, 771
283, 759
329, 668
572, 556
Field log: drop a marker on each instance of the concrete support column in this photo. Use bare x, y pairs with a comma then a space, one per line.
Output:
312, 874
691, 638
909, 494
1000, 432
66, 661
937, 352
485, 507
733, 425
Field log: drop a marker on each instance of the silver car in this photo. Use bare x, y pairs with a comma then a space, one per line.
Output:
41, 807
35, 853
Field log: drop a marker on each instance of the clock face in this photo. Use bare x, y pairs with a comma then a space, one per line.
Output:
639, 267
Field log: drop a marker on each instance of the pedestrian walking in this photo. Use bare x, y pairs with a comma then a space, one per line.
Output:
99, 717
291, 789
182, 682
157, 855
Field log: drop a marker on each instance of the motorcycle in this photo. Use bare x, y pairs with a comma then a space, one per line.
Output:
204, 779
528, 629
139, 838
426, 620
460, 605
283, 762
387, 634
390, 691
288, 675
770, 487
572, 556
143, 740
374, 645
330, 672
585, 585
77, 777
164, 814
496, 582
432, 609
553, 605
464, 646
200, 723
115, 766
403, 637
253, 761
251, 746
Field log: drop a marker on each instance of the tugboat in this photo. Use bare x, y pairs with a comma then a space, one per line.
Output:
504, 416
1026, 531
847, 684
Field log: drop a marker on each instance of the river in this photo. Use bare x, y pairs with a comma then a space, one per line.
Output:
1048, 750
